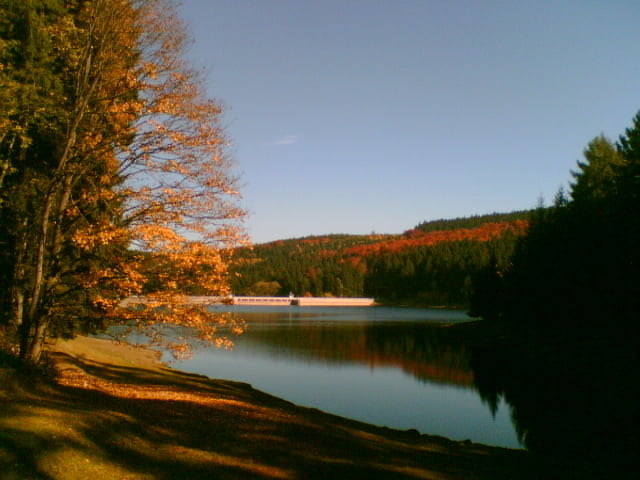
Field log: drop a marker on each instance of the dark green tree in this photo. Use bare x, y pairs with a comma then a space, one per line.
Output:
596, 175
567, 352
578, 265
627, 207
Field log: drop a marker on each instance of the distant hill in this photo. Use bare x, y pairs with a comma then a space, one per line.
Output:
432, 263
472, 221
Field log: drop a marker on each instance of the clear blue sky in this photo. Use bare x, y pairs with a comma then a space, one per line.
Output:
354, 116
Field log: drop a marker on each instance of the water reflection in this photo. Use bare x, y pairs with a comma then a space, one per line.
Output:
568, 401
421, 349
388, 366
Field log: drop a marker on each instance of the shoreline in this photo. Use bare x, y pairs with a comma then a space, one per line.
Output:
128, 415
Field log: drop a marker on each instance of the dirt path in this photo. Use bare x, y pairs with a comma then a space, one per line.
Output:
116, 412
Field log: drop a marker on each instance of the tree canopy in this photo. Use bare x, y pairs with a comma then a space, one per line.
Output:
113, 166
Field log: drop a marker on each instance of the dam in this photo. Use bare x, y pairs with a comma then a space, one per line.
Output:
263, 301
305, 301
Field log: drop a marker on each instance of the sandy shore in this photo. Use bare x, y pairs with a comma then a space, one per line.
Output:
116, 412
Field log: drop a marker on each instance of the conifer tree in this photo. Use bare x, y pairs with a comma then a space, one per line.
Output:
597, 173
578, 265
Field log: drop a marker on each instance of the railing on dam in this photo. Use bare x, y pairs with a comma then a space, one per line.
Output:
262, 301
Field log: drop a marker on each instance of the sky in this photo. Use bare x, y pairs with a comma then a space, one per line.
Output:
362, 116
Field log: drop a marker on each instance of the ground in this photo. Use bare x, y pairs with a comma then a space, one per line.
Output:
113, 411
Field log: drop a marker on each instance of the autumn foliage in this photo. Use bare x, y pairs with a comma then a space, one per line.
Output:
417, 238
115, 177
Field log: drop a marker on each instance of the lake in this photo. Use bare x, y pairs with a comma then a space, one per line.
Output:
382, 365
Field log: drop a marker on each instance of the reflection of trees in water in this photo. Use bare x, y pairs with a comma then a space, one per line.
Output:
578, 402
428, 352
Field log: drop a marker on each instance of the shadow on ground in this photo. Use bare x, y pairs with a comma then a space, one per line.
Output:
119, 421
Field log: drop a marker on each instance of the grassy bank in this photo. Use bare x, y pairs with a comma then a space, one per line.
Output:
115, 412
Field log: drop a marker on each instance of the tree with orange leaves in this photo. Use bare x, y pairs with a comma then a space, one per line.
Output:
118, 184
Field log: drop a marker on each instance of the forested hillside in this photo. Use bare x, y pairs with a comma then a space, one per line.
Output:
432, 264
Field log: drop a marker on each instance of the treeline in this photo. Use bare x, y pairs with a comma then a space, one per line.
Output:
579, 264
567, 306
473, 221
424, 265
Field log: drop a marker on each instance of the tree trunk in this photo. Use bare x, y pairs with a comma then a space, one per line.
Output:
32, 337
17, 290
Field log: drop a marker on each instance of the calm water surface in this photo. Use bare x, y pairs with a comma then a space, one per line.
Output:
382, 365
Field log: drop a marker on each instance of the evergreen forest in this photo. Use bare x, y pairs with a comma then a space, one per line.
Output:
578, 267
